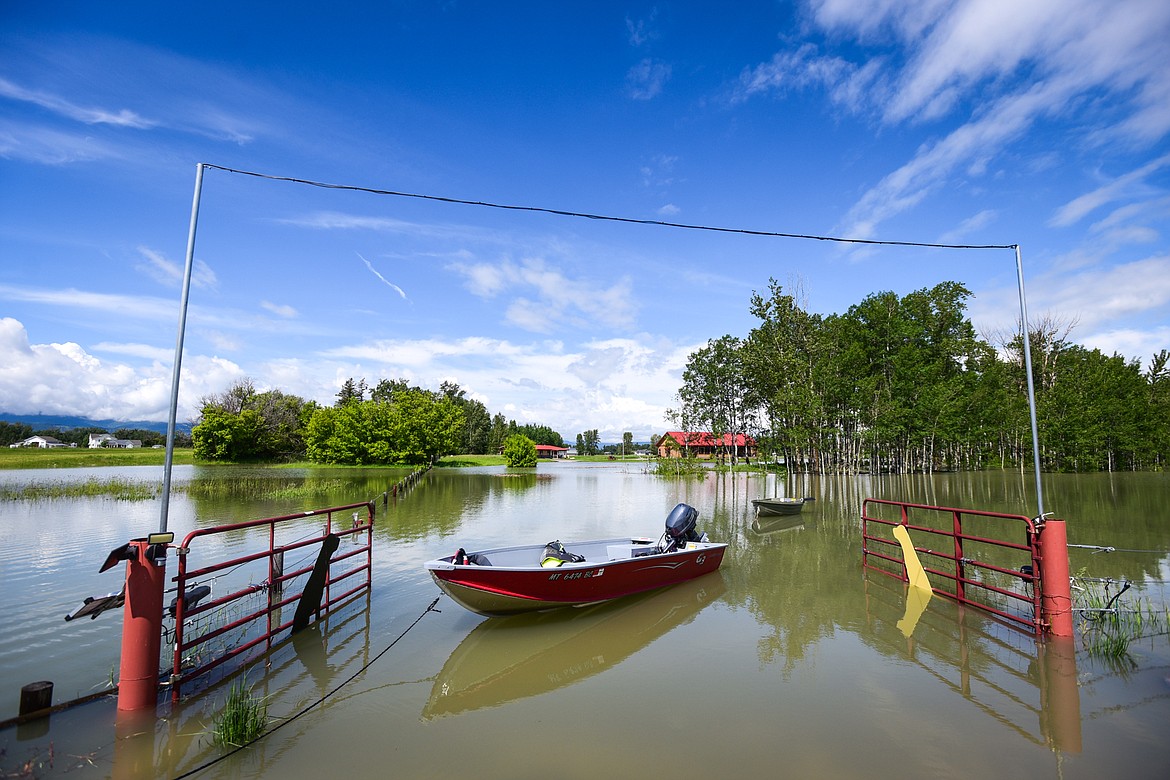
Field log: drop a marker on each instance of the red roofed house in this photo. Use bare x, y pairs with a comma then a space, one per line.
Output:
549, 451
701, 444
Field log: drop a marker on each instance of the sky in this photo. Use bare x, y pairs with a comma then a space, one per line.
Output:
1042, 124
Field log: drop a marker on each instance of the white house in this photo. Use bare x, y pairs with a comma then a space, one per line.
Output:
99, 440
44, 442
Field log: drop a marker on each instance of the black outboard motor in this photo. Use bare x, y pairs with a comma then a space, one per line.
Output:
680, 527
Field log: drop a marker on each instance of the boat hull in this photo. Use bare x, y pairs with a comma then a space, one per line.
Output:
778, 506
498, 590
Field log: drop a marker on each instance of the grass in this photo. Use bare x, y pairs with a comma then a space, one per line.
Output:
83, 457
243, 718
1110, 623
118, 489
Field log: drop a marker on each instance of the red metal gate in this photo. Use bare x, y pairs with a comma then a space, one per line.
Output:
253, 626
978, 564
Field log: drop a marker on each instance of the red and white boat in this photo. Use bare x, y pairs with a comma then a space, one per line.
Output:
528, 578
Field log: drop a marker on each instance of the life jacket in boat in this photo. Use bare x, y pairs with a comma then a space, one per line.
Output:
555, 554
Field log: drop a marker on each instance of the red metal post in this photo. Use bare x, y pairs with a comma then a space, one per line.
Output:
1056, 597
141, 628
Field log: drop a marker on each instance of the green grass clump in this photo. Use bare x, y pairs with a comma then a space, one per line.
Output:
120, 489
243, 718
1110, 623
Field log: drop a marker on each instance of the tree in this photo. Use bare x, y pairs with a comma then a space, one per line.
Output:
351, 391
715, 389
519, 452
11, 433
627, 443
242, 424
580, 444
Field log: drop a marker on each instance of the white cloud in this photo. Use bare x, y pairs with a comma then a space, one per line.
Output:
1122, 187
549, 296
62, 106
170, 273
647, 79
284, 311
1014, 63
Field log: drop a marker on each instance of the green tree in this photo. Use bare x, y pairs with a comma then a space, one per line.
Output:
627, 443
13, 432
242, 424
519, 452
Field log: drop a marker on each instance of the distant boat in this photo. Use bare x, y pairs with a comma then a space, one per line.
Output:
528, 578
779, 506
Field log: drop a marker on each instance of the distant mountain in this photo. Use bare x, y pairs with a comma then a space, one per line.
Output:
40, 422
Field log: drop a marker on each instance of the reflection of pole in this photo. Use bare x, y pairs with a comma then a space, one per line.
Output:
169, 459
142, 627
134, 734
1055, 584
1060, 697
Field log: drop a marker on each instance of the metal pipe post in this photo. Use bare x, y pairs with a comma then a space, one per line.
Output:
170, 455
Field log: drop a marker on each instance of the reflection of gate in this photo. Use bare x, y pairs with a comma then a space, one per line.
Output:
977, 566
247, 620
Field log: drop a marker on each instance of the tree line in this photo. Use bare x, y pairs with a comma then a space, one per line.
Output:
904, 384
392, 422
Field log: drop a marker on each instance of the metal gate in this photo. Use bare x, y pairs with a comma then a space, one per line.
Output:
246, 618
975, 561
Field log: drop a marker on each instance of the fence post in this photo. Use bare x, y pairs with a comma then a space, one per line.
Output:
1056, 595
141, 627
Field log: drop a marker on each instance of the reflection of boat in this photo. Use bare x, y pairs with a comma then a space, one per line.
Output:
770, 524
510, 580
779, 506
526, 655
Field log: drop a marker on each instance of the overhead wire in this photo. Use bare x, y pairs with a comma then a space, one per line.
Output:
603, 217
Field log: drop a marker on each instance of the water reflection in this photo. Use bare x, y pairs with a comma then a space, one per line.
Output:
512, 658
792, 629
1026, 684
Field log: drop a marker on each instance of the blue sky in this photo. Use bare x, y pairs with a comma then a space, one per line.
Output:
1043, 124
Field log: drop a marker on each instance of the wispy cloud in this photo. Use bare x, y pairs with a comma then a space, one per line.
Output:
1016, 63
62, 106
170, 273
549, 298
383, 279
1121, 187
285, 311
647, 79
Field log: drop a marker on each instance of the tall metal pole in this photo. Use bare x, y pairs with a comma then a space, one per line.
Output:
170, 457
1031, 387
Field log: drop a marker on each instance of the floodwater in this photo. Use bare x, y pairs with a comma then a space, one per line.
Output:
793, 660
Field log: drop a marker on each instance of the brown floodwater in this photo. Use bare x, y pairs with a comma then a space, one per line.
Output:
792, 660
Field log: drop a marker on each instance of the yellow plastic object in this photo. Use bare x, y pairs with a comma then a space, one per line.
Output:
914, 571
919, 593
551, 562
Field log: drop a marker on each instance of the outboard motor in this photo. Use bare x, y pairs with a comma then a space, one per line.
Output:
680, 527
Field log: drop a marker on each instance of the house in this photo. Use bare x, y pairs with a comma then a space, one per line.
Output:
99, 440
703, 444
549, 451
44, 442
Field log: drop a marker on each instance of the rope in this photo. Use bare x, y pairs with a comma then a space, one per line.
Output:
1096, 548
347, 681
586, 215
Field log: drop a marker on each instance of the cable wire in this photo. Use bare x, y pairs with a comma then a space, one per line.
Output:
586, 215
338, 687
